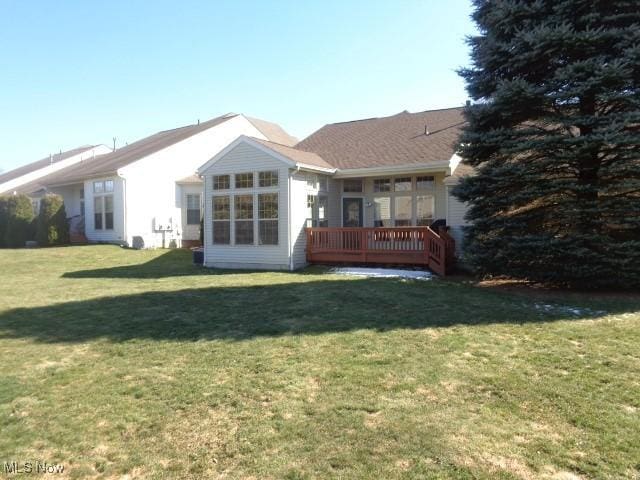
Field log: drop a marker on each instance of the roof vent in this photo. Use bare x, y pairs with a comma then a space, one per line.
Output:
426, 130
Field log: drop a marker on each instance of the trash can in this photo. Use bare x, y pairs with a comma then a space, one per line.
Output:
198, 255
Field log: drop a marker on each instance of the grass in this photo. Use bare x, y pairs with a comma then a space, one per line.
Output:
136, 364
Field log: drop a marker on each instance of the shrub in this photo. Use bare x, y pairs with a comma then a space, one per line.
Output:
4, 216
19, 225
52, 227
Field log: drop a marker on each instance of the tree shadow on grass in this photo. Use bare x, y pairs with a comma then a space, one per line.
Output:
309, 307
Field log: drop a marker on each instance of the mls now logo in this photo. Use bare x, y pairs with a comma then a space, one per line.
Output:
37, 467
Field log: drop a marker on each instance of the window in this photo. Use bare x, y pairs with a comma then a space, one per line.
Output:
382, 185
312, 180
193, 209
97, 212
268, 218
244, 180
243, 208
382, 212
424, 210
268, 179
317, 211
425, 183
352, 185
221, 220
221, 182
102, 205
403, 211
108, 212
323, 220
323, 183
402, 184
311, 204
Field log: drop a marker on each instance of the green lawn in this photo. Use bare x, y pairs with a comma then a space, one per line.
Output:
138, 364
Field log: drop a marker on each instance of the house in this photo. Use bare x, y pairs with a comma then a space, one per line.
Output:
14, 179
359, 191
145, 194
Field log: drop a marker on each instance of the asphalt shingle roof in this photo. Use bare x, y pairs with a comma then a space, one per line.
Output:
37, 165
388, 141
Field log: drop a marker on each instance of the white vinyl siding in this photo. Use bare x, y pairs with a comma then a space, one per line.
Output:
116, 234
456, 210
248, 159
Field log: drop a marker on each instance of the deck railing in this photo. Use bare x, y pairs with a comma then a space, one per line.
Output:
398, 245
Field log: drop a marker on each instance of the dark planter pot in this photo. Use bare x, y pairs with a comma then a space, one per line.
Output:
198, 256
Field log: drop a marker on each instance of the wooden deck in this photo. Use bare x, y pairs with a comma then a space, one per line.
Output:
400, 245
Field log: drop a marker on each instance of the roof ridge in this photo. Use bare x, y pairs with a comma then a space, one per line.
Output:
226, 115
394, 115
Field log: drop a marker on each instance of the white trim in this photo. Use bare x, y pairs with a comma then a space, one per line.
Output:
433, 167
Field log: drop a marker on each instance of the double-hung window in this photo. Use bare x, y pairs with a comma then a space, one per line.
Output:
243, 214
193, 209
103, 205
221, 207
268, 218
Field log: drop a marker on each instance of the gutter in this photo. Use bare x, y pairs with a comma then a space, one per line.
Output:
375, 171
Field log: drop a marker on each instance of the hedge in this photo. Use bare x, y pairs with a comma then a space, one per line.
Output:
19, 221
52, 227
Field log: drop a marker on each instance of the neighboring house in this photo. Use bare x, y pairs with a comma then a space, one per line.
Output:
14, 179
346, 178
145, 194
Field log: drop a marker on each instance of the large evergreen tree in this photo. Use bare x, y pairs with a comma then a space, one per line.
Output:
554, 136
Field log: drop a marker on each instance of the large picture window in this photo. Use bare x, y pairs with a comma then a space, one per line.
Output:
268, 218
382, 212
403, 211
193, 209
243, 208
424, 210
221, 207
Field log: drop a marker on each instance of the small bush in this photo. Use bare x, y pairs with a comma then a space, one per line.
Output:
52, 227
19, 225
4, 218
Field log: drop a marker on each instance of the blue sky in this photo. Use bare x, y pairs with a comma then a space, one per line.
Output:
78, 72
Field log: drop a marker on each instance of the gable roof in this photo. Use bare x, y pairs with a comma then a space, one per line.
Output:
273, 131
299, 157
288, 155
112, 162
388, 141
45, 162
